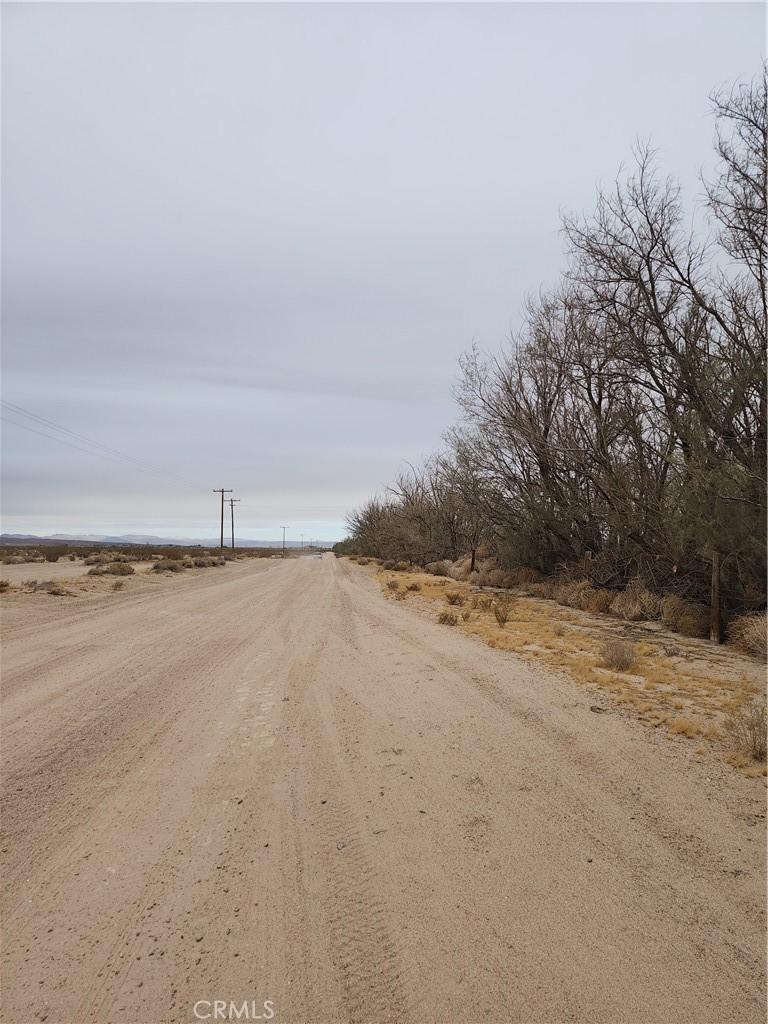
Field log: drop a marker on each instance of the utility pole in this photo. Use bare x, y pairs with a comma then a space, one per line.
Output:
284, 528
222, 491
232, 503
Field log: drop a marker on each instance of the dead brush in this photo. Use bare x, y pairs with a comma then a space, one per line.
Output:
466, 615
413, 587
446, 618
746, 730
393, 585
749, 633
618, 655
455, 597
502, 611
118, 585
4, 585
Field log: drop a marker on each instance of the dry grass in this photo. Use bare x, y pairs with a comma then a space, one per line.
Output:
501, 611
745, 729
455, 597
749, 632
685, 680
118, 585
413, 587
618, 655
447, 618
393, 585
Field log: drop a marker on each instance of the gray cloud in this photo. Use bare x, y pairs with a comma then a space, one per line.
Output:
246, 243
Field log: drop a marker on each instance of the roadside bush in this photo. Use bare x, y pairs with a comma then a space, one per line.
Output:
455, 598
749, 633
119, 569
393, 585
118, 584
112, 569
4, 585
437, 568
596, 601
402, 566
13, 560
168, 565
466, 614
746, 730
447, 618
501, 611
363, 561
51, 556
413, 586
618, 655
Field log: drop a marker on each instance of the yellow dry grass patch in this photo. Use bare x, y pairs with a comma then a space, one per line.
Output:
689, 694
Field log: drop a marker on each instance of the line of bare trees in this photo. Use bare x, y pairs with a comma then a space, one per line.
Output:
624, 430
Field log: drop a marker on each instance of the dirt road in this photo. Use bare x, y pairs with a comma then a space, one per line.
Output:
270, 783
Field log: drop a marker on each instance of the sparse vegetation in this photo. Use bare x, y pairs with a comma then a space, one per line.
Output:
413, 586
393, 585
745, 729
749, 633
466, 614
168, 565
446, 618
618, 655
501, 611
455, 597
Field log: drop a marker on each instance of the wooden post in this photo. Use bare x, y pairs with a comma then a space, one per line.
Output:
715, 629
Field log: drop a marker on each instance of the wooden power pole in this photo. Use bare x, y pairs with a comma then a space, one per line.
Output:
232, 503
222, 491
715, 624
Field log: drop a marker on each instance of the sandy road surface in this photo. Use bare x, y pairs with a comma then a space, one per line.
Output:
271, 783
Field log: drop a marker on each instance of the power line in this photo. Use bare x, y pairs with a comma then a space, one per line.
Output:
232, 503
69, 437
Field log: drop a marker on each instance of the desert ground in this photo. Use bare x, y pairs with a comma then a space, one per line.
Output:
269, 782
45, 571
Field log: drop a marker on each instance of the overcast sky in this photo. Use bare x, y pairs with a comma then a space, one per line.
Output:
245, 244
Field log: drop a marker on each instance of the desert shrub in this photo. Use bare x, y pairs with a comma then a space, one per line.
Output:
544, 589
618, 654
4, 585
672, 607
118, 584
72, 556
388, 563
597, 601
169, 565
413, 586
51, 556
749, 633
447, 618
746, 730
526, 574
437, 568
13, 560
393, 585
119, 569
51, 587
501, 611
466, 614
112, 569
454, 597
484, 603
402, 566
493, 578
558, 629
693, 620
363, 561
571, 593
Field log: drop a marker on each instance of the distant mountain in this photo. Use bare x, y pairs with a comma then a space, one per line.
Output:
138, 538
